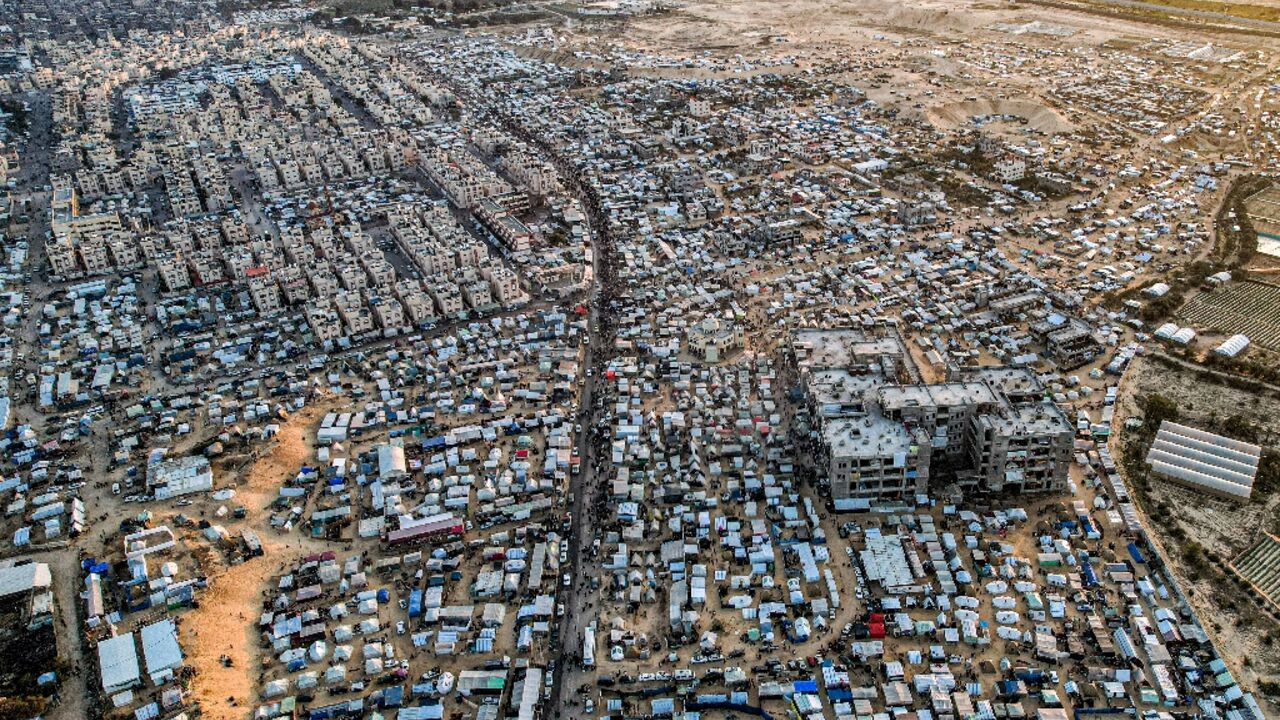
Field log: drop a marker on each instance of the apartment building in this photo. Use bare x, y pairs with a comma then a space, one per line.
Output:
868, 457
94, 259
324, 283
324, 321
79, 243
173, 273
388, 312
1009, 169
352, 277
985, 430
354, 312
124, 250
264, 292
1068, 341
208, 269
293, 285
419, 307
514, 234
381, 272
504, 285
464, 178
447, 295
1026, 443
470, 253
477, 294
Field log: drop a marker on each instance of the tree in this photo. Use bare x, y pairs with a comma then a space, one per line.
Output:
1158, 408
1239, 427
1267, 479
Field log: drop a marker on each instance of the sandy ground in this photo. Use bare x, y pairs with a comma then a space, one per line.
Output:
225, 622
811, 24
1044, 119
223, 625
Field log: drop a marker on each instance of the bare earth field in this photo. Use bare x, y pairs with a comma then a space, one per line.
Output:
1038, 116
810, 24
226, 621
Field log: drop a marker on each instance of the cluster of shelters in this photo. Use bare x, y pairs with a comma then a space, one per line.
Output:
823, 306
29, 644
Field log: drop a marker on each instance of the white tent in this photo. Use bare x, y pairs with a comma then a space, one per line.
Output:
160, 648
317, 651
335, 675
276, 688
1232, 346
118, 660
307, 680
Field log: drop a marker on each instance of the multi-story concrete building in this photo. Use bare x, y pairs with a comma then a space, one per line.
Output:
477, 294
514, 234
324, 321
1068, 341
124, 251
1009, 169
447, 295
872, 457
389, 313
987, 430
208, 269
504, 285
293, 285
323, 281
265, 292
354, 312
1025, 444
173, 273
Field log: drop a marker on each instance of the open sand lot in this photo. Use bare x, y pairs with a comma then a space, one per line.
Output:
941, 63
1038, 116
811, 25
225, 622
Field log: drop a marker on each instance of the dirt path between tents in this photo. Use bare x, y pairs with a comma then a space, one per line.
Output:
65, 567
226, 621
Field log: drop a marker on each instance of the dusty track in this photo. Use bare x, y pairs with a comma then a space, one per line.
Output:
226, 621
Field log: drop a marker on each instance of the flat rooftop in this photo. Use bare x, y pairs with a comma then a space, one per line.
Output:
867, 436
837, 386
841, 348
952, 394
1028, 419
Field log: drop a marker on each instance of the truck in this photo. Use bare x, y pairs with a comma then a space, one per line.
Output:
1031, 676
589, 646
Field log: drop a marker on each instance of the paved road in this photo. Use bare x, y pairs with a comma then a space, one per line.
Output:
32, 176
64, 563
579, 597
584, 488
